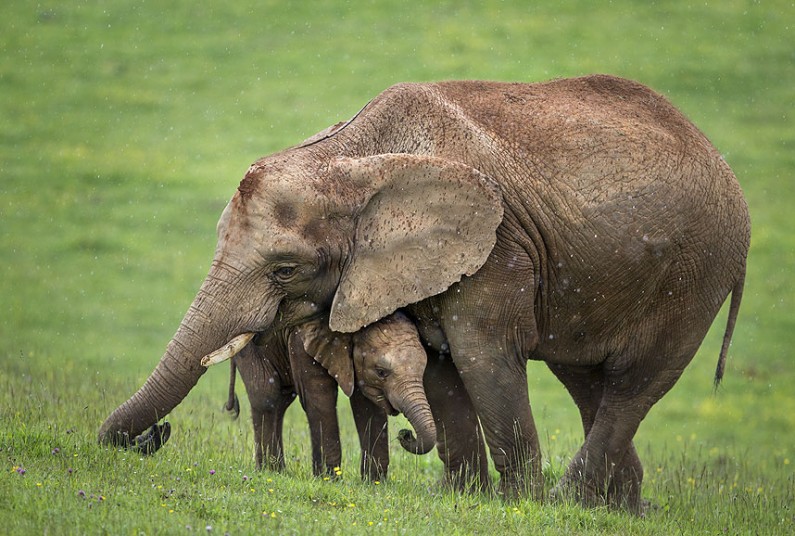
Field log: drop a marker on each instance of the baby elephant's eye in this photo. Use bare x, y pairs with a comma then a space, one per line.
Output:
381, 372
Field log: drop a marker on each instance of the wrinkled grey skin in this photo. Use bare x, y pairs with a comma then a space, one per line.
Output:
583, 222
274, 372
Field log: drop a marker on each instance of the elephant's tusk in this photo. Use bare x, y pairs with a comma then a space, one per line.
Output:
228, 351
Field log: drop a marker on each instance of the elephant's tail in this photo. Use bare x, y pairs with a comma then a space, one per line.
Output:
734, 308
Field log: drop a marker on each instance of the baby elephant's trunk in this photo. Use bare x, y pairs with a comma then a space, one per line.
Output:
414, 405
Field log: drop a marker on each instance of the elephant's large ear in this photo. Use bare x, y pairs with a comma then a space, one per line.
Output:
332, 350
424, 224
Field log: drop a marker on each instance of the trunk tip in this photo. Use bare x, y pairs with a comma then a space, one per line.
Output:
413, 444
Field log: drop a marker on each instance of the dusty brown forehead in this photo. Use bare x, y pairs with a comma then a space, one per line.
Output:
289, 197
300, 212
308, 224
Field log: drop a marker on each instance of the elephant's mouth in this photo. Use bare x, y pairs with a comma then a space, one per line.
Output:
379, 397
388, 408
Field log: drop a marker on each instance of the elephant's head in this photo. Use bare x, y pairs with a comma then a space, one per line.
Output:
388, 361
307, 235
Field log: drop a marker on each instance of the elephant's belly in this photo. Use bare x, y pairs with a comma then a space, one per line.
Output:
569, 354
569, 339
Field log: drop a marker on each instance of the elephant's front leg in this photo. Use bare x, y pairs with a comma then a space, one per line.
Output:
371, 425
317, 391
269, 401
268, 445
498, 389
459, 441
321, 412
489, 321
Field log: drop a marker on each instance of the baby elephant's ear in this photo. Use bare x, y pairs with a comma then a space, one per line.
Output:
332, 350
422, 223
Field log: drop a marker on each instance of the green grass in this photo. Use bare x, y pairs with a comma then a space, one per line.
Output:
125, 127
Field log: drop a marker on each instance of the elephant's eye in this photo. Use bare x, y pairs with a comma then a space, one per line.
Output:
381, 372
284, 273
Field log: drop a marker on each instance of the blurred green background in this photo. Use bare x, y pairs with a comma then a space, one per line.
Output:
125, 126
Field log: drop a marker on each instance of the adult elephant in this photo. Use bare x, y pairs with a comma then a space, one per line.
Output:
584, 222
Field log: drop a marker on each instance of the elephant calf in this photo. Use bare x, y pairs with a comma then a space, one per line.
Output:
395, 371
275, 371
310, 364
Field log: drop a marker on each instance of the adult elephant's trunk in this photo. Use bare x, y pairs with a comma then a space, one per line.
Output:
177, 372
414, 405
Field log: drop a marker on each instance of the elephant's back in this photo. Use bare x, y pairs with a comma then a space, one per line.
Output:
595, 105
604, 158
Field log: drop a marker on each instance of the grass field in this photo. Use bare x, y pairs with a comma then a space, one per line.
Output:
126, 126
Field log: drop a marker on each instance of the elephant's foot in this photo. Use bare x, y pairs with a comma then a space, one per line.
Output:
513, 488
466, 480
625, 494
577, 490
373, 472
272, 466
269, 462
522, 477
593, 493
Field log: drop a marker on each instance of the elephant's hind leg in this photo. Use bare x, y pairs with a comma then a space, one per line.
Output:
606, 469
586, 386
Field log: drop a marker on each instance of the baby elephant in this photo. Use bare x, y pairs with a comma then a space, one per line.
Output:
275, 370
394, 370
390, 360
